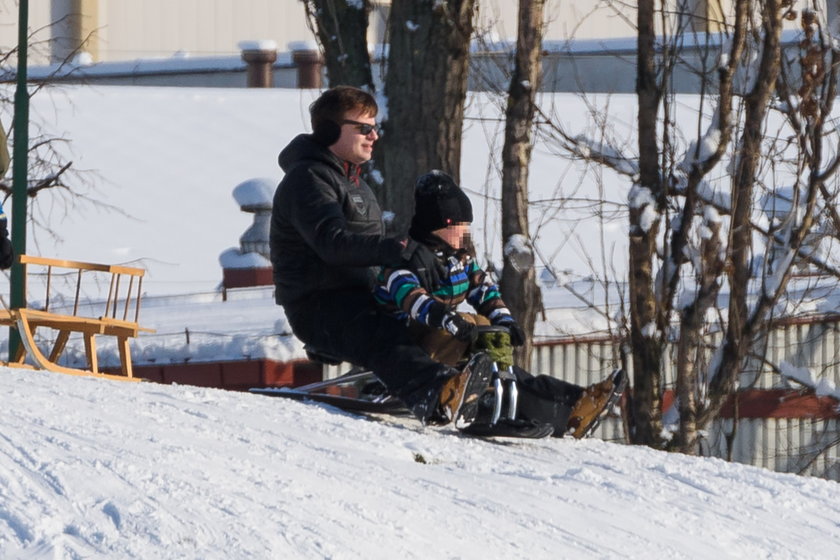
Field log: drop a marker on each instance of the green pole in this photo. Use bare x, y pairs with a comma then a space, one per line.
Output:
19, 169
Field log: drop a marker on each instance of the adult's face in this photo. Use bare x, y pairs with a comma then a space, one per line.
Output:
354, 145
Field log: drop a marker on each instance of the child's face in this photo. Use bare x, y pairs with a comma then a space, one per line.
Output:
456, 235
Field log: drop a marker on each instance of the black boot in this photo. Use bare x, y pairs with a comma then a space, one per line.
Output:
460, 394
424, 401
452, 395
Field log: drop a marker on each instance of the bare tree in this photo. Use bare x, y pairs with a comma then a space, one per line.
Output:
426, 87
518, 282
54, 184
698, 191
341, 28
647, 350
807, 113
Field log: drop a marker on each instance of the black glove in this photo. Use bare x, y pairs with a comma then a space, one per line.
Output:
459, 327
420, 260
517, 335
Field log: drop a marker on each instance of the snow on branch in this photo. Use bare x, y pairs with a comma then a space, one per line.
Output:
589, 149
804, 376
705, 148
519, 252
641, 198
781, 266
716, 198
710, 216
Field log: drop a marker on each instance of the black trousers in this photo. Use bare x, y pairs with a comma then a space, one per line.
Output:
546, 399
348, 324
542, 399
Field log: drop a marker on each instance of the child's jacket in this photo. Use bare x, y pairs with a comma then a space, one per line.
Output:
400, 292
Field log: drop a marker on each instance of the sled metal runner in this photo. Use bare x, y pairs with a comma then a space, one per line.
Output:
504, 384
505, 399
359, 390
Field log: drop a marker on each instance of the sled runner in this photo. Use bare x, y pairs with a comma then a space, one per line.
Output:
372, 397
361, 391
356, 391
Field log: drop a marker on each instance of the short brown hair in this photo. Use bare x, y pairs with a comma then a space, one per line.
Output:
334, 103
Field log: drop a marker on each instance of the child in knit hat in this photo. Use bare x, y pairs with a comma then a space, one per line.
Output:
441, 221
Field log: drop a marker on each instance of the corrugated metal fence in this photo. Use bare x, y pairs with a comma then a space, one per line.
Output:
798, 445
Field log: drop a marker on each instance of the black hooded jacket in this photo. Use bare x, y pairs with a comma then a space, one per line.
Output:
326, 226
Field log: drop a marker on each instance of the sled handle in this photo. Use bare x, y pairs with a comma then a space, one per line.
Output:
482, 329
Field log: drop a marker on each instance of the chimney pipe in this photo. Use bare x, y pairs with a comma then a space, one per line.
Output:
307, 59
260, 57
249, 264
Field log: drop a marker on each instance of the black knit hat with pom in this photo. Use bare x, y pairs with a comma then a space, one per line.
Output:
439, 202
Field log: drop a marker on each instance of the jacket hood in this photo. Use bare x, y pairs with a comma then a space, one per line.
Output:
304, 148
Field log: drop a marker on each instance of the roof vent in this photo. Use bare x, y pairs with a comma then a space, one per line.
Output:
260, 57
249, 264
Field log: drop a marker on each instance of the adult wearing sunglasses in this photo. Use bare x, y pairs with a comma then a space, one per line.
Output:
327, 239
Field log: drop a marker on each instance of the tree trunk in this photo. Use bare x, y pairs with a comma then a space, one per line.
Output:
647, 354
710, 271
740, 331
518, 282
426, 87
690, 345
341, 28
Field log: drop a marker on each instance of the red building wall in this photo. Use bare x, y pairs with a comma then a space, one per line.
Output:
238, 376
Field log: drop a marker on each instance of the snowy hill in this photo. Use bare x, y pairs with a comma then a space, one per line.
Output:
100, 469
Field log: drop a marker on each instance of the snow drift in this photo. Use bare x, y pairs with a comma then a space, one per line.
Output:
102, 469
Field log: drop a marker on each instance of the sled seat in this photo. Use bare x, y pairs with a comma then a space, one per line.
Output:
317, 355
115, 316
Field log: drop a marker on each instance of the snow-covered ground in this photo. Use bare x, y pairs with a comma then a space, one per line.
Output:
103, 469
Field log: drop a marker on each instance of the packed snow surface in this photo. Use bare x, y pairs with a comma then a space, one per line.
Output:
103, 469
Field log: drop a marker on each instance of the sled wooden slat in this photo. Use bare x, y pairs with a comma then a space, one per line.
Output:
120, 312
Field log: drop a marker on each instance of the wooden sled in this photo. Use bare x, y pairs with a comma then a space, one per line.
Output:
116, 316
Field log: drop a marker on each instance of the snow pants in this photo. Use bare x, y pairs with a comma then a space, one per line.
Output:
349, 325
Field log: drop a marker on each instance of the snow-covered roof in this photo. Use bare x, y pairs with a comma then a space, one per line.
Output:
163, 163
624, 45
180, 62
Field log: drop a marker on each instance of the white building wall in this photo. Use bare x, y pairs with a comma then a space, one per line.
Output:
40, 32
129, 29
158, 28
582, 19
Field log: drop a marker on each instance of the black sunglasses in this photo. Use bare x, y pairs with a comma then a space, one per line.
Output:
363, 128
